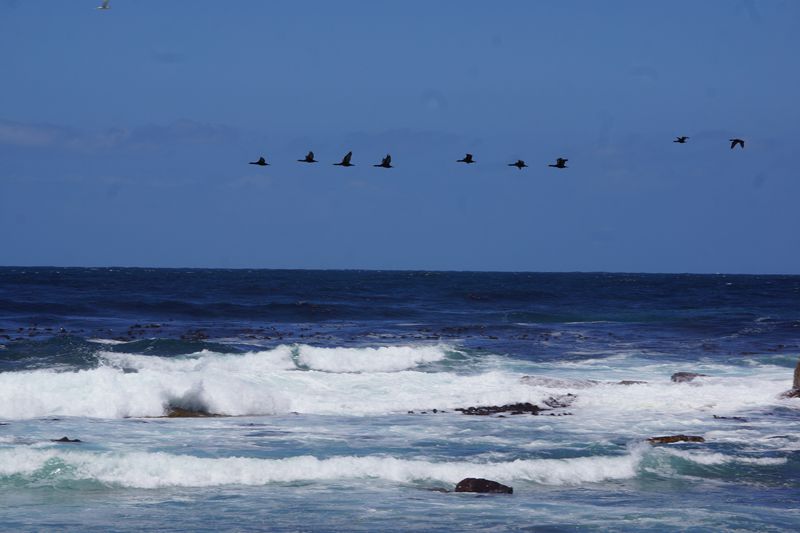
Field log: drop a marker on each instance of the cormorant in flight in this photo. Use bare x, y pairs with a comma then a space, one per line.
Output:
520, 164
261, 162
386, 162
467, 159
309, 158
559, 163
346, 161
681, 140
734, 142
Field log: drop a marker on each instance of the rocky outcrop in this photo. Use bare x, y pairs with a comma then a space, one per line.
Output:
65, 439
794, 392
675, 438
684, 377
179, 412
560, 401
473, 484
737, 418
511, 408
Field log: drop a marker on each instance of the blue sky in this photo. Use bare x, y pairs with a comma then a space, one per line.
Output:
125, 134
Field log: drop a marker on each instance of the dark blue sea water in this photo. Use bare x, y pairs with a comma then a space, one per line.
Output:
324, 383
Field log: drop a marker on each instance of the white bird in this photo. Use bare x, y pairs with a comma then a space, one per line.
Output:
104, 5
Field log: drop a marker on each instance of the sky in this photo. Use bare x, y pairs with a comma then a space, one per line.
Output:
125, 134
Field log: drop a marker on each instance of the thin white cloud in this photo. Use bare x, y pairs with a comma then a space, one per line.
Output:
144, 137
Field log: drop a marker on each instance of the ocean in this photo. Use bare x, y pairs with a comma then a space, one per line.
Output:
251, 400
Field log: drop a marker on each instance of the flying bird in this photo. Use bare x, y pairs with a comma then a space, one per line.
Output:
346, 160
104, 5
467, 159
559, 163
309, 158
520, 164
734, 142
386, 162
261, 162
681, 140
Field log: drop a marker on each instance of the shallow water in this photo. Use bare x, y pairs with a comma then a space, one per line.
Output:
327, 382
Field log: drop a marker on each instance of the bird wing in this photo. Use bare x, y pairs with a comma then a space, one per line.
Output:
733, 143
105, 4
347, 157
387, 159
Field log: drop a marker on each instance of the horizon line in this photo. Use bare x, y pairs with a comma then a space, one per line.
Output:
410, 270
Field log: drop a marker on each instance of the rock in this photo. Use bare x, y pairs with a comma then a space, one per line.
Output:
684, 377
180, 412
737, 418
472, 484
675, 438
630, 382
561, 401
514, 408
794, 393
65, 439
796, 382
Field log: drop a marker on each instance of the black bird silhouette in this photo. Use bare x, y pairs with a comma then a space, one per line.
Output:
520, 164
681, 140
467, 159
309, 158
559, 163
386, 162
261, 162
734, 142
346, 160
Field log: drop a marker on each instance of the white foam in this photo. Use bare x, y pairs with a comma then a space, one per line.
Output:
154, 470
382, 359
255, 383
109, 342
367, 381
711, 458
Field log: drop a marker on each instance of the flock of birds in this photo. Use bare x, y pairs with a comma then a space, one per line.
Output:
386, 162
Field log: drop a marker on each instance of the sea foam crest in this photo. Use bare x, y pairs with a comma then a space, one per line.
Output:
381, 359
154, 470
256, 383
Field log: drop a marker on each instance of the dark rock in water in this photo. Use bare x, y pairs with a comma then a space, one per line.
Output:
179, 412
65, 439
195, 335
564, 400
630, 382
473, 484
794, 393
675, 438
513, 408
683, 377
796, 382
737, 418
